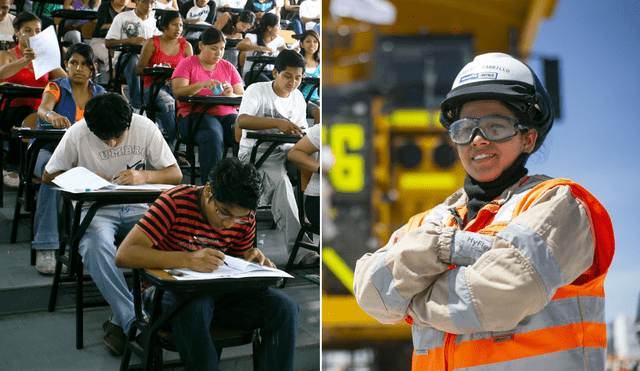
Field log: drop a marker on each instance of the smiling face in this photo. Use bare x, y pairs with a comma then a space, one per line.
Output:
211, 54
310, 44
79, 69
484, 160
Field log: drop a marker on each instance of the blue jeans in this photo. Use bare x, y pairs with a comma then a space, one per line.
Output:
133, 80
296, 26
45, 223
98, 251
165, 111
273, 312
210, 137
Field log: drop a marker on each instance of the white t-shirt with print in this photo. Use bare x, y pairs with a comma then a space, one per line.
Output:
80, 147
310, 9
127, 25
315, 136
275, 44
260, 100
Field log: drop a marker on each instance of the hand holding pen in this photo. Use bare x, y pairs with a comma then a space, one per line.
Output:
29, 54
221, 249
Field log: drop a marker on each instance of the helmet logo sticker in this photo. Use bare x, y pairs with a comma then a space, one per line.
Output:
481, 75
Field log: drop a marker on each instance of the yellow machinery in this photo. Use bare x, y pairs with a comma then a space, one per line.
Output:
382, 86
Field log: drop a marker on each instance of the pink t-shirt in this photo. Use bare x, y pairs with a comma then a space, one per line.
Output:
191, 69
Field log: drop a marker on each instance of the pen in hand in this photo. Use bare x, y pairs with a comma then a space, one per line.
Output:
26, 40
210, 247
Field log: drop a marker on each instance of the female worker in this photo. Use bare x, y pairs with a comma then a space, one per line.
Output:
508, 272
63, 103
208, 74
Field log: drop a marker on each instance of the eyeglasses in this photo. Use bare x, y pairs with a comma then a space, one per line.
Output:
240, 220
493, 128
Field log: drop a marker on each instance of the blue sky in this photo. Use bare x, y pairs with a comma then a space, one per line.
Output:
597, 141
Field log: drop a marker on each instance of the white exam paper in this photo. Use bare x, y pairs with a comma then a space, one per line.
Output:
80, 179
237, 268
45, 44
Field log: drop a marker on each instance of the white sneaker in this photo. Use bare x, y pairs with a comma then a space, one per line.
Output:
10, 179
46, 262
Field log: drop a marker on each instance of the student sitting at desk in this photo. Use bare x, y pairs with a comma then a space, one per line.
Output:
234, 26
198, 11
18, 69
222, 215
276, 107
63, 104
115, 144
106, 12
167, 50
265, 40
133, 28
208, 74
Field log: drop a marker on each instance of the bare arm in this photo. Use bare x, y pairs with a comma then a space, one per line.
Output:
300, 154
262, 123
145, 55
221, 21
169, 175
136, 251
11, 65
246, 46
181, 86
47, 104
139, 40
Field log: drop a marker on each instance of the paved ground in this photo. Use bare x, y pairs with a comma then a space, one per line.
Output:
31, 338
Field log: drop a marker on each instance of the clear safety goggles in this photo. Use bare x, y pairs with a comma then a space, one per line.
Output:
493, 128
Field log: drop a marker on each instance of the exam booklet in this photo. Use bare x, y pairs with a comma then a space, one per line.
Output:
236, 268
80, 179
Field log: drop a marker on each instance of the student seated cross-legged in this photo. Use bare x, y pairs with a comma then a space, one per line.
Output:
221, 214
63, 103
116, 144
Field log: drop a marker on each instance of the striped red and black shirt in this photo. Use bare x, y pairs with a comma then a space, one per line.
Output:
175, 217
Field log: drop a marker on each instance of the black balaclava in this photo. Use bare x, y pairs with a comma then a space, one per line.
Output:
482, 193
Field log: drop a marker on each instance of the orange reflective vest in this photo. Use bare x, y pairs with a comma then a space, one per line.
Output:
568, 334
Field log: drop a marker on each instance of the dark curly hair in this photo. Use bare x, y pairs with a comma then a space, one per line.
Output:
234, 182
108, 115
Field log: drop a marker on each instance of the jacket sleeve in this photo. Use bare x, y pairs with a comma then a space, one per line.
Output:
387, 280
544, 248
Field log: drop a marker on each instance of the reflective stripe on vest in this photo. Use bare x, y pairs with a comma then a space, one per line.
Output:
568, 334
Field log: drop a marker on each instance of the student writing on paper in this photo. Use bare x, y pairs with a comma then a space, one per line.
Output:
222, 215
16, 67
63, 103
114, 143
